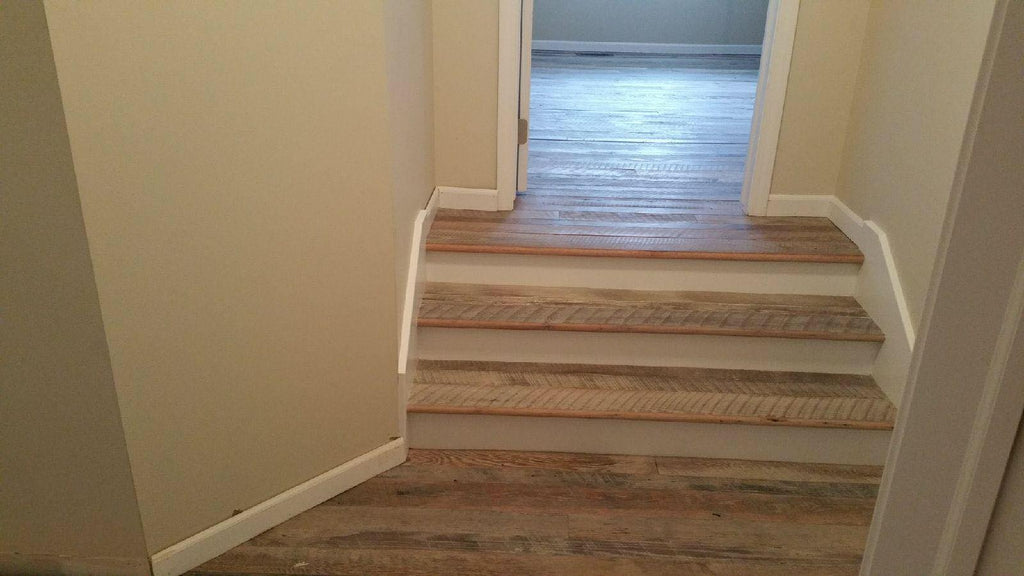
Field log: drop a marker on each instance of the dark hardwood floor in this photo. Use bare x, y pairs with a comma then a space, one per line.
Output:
476, 513
640, 156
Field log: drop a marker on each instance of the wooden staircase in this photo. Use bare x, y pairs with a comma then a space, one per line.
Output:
688, 353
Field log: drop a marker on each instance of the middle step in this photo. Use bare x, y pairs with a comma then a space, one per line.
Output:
656, 328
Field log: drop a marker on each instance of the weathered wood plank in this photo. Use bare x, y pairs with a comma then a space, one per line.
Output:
675, 503
750, 470
602, 310
490, 513
268, 561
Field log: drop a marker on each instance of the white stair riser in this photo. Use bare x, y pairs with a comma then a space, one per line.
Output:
785, 354
776, 443
644, 273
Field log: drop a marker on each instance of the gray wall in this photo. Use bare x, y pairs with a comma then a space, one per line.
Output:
66, 496
651, 21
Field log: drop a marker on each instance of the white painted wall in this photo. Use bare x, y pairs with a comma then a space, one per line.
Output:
819, 96
907, 125
408, 30
651, 21
1003, 553
234, 164
465, 53
67, 502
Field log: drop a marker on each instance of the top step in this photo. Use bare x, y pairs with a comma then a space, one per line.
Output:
553, 227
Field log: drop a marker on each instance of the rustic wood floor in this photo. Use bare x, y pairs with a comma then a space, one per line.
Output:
477, 513
640, 156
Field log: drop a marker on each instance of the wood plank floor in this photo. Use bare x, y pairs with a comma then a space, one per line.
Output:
651, 393
640, 156
641, 311
481, 513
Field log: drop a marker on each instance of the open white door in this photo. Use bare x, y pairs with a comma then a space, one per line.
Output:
525, 64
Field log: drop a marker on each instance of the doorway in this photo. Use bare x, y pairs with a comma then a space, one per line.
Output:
681, 120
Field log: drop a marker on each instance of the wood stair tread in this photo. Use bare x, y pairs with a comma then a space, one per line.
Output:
635, 311
651, 393
674, 228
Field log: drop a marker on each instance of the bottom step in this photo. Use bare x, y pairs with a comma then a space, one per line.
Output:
657, 411
648, 438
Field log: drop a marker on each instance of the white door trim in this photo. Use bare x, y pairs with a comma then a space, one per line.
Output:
515, 38
772, 80
509, 38
525, 66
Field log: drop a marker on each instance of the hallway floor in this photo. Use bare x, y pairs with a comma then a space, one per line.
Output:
640, 156
476, 513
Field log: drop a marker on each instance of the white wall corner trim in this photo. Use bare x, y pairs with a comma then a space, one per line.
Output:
414, 285
210, 543
467, 198
645, 47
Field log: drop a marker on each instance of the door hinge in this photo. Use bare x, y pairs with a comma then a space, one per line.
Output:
524, 130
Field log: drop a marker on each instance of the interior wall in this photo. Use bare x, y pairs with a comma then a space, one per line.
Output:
234, 170
1003, 552
907, 125
67, 501
651, 21
465, 53
408, 37
819, 96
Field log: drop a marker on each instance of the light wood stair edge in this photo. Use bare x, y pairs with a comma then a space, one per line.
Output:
647, 416
648, 254
643, 329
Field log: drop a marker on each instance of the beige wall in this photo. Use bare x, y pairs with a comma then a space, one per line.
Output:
1003, 552
66, 483
466, 93
655, 21
408, 38
822, 79
234, 168
907, 125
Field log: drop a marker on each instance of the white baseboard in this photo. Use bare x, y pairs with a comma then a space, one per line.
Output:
414, 285
879, 289
220, 538
645, 47
468, 198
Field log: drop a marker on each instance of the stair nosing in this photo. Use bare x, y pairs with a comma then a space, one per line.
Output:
649, 254
647, 416
645, 329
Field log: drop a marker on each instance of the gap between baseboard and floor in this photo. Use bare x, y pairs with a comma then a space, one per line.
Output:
214, 541
879, 289
646, 48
